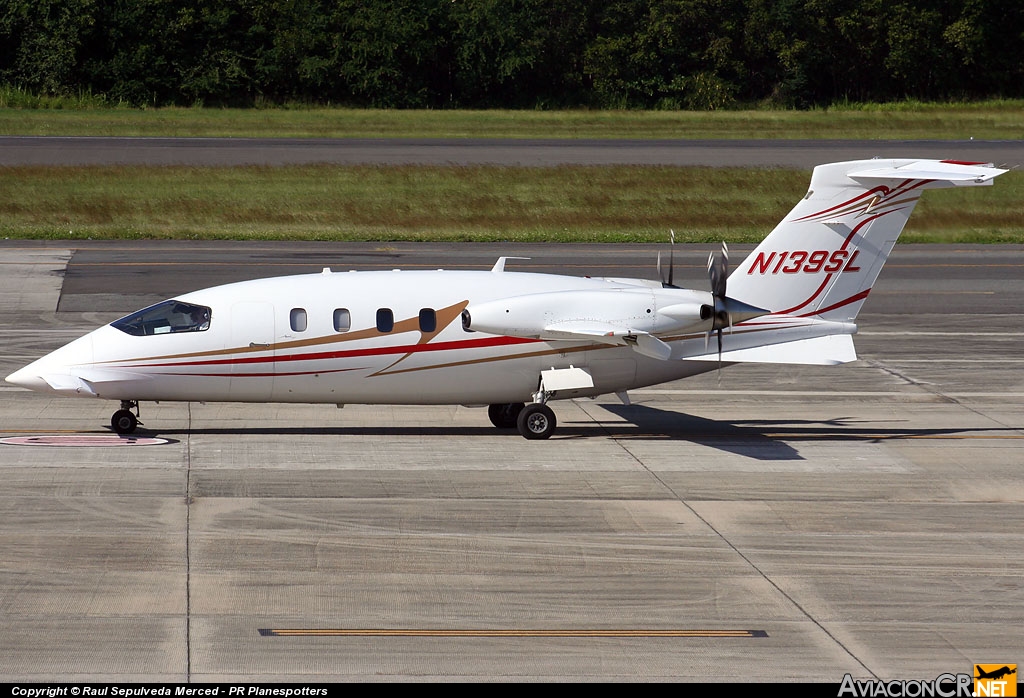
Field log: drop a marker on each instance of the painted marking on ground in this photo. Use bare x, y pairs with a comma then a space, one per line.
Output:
465, 632
83, 440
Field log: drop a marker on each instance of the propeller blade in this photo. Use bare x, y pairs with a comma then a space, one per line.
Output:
719, 356
718, 272
668, 279
671, 255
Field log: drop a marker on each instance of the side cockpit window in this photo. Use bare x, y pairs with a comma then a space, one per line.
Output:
165, 318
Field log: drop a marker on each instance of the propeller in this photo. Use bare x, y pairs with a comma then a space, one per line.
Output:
667, 282
721, 318
726, 311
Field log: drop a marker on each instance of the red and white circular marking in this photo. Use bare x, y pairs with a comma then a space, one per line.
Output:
83, 440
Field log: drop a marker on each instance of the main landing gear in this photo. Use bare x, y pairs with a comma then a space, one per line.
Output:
504, 415
534, 421
124, 421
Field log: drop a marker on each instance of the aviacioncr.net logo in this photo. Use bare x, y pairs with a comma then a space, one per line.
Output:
942, 686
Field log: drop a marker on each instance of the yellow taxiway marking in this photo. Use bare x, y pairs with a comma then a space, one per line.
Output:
465, 632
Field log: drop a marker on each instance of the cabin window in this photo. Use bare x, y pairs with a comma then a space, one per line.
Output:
342, 320
428, 320
297, 319
385, 320
166, 318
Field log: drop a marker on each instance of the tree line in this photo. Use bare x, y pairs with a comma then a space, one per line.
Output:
668, 54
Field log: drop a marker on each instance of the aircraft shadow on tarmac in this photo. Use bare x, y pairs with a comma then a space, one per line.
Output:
761, 439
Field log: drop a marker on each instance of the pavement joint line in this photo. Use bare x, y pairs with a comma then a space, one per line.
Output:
948, 397
721, 536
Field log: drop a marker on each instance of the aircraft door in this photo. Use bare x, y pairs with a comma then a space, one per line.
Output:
252, 342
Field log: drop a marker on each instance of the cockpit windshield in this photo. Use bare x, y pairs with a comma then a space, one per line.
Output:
165, 318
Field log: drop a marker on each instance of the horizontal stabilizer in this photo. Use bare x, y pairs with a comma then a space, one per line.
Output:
818, 351
956, 173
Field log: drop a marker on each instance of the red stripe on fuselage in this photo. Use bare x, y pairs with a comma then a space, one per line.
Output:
352, 353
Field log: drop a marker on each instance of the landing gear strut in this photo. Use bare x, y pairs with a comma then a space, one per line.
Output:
124, 421
536, 420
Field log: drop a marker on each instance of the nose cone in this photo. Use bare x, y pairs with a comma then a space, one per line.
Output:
28, 377
55, 372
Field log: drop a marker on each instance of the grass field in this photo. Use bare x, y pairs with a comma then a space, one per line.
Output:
910, 120
563, 204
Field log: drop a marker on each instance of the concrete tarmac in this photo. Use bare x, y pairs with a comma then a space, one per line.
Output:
790, 524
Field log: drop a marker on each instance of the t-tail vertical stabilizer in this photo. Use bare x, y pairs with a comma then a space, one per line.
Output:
823, 258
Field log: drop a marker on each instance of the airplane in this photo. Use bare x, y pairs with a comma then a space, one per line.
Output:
995, 674
513, 341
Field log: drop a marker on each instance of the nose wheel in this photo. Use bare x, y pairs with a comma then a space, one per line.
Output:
124, 421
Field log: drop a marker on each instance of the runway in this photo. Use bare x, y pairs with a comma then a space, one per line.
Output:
226, 152
789, 524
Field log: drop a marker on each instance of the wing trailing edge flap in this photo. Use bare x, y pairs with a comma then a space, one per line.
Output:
641, 342
829, 350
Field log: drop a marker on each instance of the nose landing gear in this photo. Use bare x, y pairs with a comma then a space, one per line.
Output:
124, 421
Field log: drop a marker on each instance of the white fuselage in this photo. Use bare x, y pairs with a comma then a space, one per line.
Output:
276, 340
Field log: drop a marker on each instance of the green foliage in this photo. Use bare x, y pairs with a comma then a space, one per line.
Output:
565, 204
42, 40
666, 54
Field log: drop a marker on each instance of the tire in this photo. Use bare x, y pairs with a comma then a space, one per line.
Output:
124, 422
505, 415
536, 421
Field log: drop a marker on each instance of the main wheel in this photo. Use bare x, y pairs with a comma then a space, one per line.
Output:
124, 422
505, 416
536, 421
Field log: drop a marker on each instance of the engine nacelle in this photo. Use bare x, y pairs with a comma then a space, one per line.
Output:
617, 311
